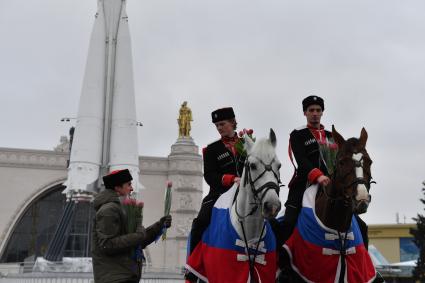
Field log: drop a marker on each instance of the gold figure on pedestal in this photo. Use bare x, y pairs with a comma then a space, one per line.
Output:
185, 117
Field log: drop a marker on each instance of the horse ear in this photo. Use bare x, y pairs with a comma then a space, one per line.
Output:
363, 137
337, 137
272, 137
248, 143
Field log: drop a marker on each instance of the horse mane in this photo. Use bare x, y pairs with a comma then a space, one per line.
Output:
352, 141
351, 145
263, 149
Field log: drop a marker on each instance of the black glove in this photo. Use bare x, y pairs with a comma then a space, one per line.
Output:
165, 221
140, 229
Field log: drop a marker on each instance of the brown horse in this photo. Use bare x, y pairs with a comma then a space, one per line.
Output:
327, 245
348, 192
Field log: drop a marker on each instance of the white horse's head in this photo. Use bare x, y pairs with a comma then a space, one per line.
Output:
261, 175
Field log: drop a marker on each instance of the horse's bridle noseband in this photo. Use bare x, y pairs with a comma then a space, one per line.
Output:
267, 186
267, 168
357, 180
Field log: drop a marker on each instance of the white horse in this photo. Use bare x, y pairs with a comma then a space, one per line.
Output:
239, 245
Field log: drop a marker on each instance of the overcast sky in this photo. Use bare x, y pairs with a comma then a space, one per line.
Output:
365, 58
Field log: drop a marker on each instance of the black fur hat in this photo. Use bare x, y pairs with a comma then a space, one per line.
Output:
222, 114
313, 100
117, 178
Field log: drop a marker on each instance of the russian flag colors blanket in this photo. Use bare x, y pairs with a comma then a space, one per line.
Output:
221, 255
314, 249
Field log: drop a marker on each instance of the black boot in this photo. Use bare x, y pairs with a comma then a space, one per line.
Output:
189, 276
195, 234
363, 230
201, 222
288, 224
287, 274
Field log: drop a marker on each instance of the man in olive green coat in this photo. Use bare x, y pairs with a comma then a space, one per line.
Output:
113, 247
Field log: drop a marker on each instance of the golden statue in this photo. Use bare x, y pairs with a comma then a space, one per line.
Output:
185, 117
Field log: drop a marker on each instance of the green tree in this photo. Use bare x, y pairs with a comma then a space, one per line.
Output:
419, 235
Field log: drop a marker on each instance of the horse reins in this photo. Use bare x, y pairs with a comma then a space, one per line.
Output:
357, 181
267, 186
252, 261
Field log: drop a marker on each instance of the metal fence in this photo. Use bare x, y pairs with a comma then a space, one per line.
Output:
76, 280
79, 278
22, 273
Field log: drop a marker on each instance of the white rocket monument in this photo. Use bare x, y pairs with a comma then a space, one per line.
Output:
105, 137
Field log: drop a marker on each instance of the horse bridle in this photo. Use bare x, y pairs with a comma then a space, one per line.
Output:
357, 180
346, 199
267, 186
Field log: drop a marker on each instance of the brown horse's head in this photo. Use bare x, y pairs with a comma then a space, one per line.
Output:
352, 172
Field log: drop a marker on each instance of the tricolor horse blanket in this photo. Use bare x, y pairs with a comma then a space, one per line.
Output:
315, 250
221, 256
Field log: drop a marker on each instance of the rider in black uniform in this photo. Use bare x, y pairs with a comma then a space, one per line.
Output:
223, 166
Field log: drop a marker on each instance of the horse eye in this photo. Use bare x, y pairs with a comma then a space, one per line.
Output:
253, 166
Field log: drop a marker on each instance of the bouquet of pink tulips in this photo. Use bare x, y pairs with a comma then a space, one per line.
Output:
134, 211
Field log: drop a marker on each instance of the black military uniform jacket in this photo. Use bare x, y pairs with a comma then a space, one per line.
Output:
219, 161
306, 152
